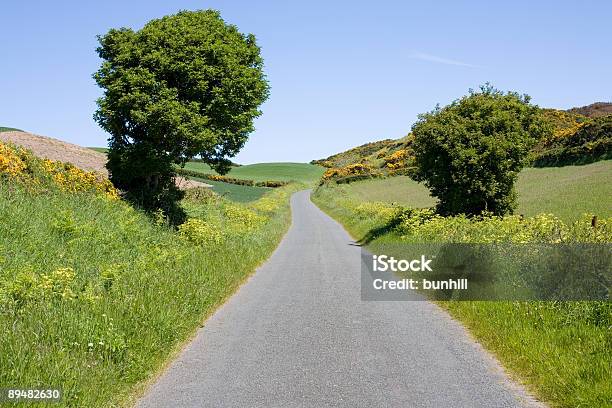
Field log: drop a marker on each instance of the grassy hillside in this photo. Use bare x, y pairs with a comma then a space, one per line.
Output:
98, 296
234, 192
567, 192
301, 172
578, 136
9, 129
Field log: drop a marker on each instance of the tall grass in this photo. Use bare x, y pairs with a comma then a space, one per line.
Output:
561, 350
95, 296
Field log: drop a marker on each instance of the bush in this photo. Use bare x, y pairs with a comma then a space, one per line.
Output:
349, 173
19, 164
469, 153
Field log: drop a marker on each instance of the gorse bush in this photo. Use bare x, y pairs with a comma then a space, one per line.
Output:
351, 172
587, 142
20, 165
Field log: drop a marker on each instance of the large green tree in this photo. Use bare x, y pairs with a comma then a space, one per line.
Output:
470, 152
184, 85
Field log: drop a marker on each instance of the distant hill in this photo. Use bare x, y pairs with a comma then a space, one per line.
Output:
580, 135
594, 110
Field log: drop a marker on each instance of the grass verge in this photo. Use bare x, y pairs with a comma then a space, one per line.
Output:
560, 350
95, 296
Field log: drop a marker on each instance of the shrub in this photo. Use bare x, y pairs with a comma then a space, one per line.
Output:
20, 164
397, 160
469, 153
356, 170
200, 232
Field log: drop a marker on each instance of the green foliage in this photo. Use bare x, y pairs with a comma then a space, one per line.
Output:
470, 152
589, 143
99, 149
184, 85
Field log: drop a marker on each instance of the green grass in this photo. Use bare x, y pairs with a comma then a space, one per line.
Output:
300, 172
99, 149
9, 129
139, 290
568, 192
560, 350
401, 190
235, 192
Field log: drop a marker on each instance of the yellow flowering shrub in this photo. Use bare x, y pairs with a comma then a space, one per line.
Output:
200, 232
426, 226
11, 162
397, 160
20, 164
271, 201
241, 218
350, 170
383, 211
29, 286
73, 179
58, 283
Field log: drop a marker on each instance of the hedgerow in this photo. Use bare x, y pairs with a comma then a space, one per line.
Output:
231, 180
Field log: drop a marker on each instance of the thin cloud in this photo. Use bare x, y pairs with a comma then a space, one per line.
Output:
440, 60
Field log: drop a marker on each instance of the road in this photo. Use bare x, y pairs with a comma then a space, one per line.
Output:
297, 334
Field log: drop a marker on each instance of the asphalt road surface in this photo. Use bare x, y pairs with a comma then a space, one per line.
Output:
297, 334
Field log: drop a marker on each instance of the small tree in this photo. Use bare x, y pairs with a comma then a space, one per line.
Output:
470, 152
184, 85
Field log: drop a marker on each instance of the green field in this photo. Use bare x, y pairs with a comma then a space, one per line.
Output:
301, 172
235, 192
568, 192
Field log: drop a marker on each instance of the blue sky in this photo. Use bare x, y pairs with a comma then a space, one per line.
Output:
342, 73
